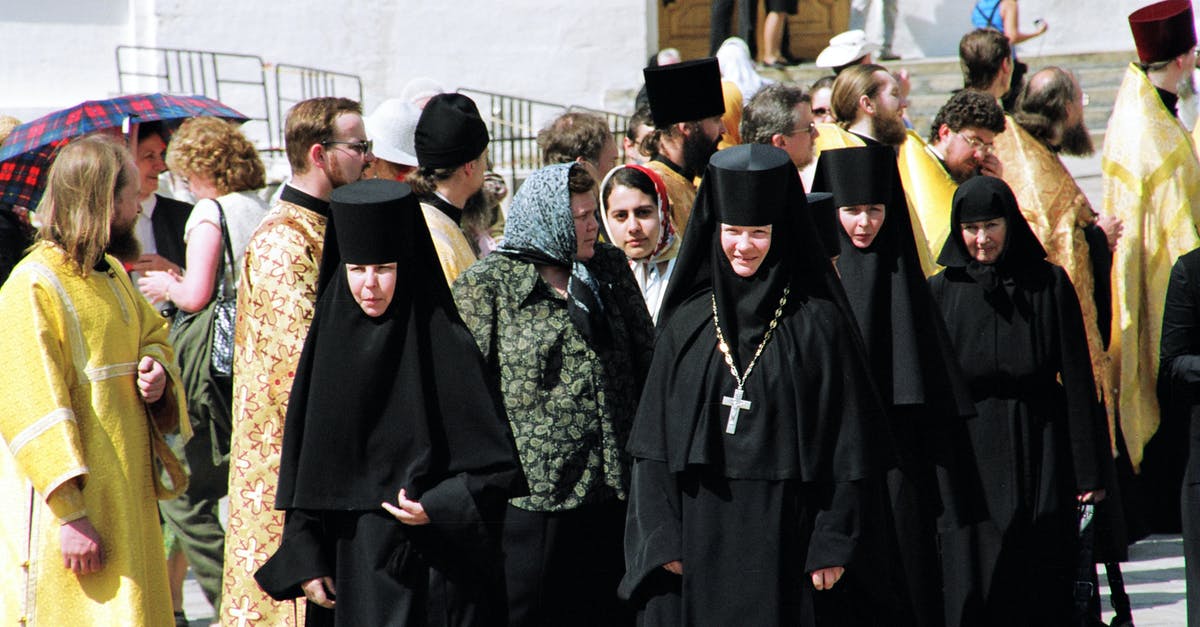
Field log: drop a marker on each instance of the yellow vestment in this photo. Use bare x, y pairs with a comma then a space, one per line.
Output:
930, 190
72, 416
453, 250
680, 191
275, 308
1057, 211
1152, 183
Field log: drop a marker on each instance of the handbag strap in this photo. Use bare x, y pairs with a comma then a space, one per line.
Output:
221, 290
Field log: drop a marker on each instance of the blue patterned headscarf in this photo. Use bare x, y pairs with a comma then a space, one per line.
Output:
541, 229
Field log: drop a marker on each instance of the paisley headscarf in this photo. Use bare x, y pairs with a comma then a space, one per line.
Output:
541, 230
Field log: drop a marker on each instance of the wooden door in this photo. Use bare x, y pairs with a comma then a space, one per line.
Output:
683, 24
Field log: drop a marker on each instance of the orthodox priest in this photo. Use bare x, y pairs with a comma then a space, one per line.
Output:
1038, 438
1151, 180
391, 402
276, 295
917, 374
91, 388
758, 400
686, 104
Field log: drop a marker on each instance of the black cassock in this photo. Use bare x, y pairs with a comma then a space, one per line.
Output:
750, 513
1039, 438
384, 403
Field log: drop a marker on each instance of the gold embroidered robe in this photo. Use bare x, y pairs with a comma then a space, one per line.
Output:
1151, 180
680, 191
276, 296
930, 191
453, 250
71, 412
1057, 211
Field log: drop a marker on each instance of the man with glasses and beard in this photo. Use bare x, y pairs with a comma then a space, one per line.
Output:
686, 105
327, 147
1151, 180
960, 146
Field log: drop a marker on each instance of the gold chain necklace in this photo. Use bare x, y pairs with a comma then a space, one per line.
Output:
736, 403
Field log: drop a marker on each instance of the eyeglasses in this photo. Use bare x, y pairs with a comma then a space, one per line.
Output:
811, 129
1084, 99
361, 148
820, 111
977, 144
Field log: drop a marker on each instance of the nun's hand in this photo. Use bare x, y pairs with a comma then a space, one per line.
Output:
674, 566
320, 591
824, 578
1092, 496
408, 512
1113, 227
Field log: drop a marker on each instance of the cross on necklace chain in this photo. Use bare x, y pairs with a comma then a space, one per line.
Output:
735, 404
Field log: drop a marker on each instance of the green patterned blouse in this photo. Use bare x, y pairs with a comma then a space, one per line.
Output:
571, 404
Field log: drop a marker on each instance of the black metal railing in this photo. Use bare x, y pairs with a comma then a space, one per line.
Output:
514, 123
294, 83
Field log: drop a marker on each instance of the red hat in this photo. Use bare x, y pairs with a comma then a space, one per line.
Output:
1163, 30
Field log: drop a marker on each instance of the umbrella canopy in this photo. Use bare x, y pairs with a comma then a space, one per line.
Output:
27, 153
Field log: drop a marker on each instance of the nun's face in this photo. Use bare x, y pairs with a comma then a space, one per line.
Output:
633, 222
583, 209
372, 286
862, 222
745, 247
985, 239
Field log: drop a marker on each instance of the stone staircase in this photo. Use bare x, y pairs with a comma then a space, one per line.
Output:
1099, 73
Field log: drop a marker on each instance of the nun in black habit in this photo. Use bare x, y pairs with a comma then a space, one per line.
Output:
916, 372
758, 421
1040, 438
391, 396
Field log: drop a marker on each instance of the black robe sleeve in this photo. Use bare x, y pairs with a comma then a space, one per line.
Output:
1090, 446
837, 527
301, 557
1179, 352
652, 533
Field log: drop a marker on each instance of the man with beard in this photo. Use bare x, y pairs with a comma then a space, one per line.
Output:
1151, 180
960, 146
869, 108
1048, 121
327, 147
451, 148
686, 105
781, 115
81, 541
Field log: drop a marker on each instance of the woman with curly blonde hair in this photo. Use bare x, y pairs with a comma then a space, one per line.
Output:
223, 170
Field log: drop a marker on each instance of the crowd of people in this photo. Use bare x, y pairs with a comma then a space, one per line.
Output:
823, 370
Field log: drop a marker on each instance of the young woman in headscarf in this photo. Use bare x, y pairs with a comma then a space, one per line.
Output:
391, 404
636, 215
758, 423
567, 340
915, 370
1040, 438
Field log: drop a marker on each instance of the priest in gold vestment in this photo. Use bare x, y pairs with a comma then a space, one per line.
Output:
275, 308
1048, 121
90, 387
1151, 180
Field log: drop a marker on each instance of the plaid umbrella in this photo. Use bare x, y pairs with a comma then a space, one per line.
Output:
27, 153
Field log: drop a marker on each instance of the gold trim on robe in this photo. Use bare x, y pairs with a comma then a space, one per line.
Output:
453, 250
930, 191
680, 191
1057, 211
79, 440
276, 297
1151, 180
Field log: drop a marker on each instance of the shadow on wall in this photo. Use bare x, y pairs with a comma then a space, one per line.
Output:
67, 12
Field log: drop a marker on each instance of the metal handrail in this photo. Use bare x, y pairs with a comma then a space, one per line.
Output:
311, 83
511, 123
238, 80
